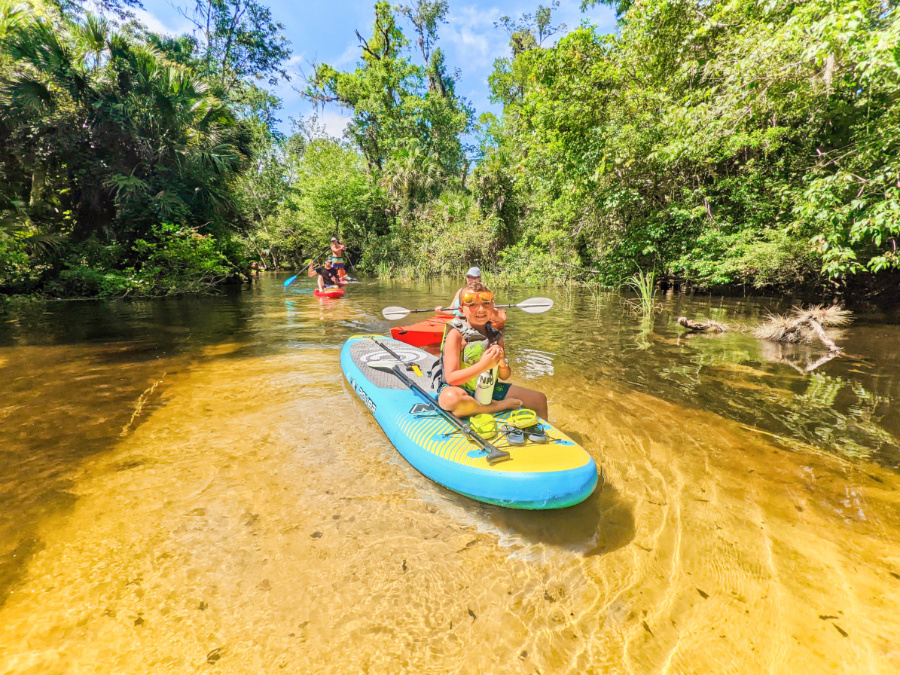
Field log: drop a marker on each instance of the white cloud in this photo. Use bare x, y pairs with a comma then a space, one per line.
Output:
470, 33
156, 25
349, 56
295, 60
334, 122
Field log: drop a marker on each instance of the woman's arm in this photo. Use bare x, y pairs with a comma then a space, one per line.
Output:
457, 376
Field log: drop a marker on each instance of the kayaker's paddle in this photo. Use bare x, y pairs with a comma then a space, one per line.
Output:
495, 454
290, 280
532, 306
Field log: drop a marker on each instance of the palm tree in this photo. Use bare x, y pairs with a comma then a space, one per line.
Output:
409, 179
113, 137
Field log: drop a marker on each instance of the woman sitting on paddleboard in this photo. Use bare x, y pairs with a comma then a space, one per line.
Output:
498, 319
473, 359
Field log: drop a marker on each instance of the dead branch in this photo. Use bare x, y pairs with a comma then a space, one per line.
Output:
804, 325
703, 326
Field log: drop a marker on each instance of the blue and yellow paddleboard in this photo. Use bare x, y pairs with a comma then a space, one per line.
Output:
537, 476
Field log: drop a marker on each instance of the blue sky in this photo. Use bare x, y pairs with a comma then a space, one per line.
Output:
323, 32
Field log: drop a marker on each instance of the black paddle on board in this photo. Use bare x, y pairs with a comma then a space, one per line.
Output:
495, 454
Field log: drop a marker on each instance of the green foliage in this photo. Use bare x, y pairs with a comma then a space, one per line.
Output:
173, 260
178, 259
239, 40
733, 142
105, 134
723, 142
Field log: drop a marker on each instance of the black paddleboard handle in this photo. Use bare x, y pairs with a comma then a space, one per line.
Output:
495, 454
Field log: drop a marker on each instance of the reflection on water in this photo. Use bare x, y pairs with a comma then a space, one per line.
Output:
253, 517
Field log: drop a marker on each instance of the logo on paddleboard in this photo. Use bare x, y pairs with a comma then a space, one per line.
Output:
405, 355
420, 408
370, 404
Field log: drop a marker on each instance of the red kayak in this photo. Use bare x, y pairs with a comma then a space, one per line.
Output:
329, 293
424, 333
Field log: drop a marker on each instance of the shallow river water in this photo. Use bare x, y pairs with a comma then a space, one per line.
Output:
189, 485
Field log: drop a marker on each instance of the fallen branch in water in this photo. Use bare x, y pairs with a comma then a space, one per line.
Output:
804, 325
704, 326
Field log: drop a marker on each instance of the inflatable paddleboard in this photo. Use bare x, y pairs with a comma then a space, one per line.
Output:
549, 475
329, 293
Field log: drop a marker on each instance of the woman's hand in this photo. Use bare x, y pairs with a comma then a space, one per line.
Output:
438, 309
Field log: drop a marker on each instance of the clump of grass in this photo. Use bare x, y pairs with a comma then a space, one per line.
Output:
384, 269
495, 280
645, 286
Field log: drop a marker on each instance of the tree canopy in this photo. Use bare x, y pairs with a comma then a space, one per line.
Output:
717, 143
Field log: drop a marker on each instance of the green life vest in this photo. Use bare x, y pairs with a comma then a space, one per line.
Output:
469, 355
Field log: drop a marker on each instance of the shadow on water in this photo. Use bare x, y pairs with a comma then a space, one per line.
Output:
78, 376
601, 524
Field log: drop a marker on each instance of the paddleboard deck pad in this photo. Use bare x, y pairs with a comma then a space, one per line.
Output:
550, 475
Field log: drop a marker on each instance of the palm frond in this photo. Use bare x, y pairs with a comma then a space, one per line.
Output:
28, 93
92, 35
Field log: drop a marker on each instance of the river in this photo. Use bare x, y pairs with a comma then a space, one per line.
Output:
189, 485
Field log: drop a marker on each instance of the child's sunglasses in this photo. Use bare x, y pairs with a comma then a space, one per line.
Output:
471, 298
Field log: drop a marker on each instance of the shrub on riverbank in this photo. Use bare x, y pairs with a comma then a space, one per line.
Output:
171, 260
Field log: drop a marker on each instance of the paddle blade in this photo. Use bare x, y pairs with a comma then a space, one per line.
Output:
535, 305
393, 313
288, 282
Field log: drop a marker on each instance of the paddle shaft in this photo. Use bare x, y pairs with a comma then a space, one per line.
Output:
394, 313
495, 454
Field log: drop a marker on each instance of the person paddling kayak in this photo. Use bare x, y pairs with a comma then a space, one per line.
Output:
328, 276
473, 355
498, 319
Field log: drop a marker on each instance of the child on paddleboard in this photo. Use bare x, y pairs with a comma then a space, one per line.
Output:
473, 356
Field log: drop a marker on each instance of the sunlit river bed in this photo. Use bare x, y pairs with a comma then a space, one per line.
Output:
189, 485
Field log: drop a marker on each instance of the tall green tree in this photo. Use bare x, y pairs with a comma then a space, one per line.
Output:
102, 139
400, 108
239, 41
724, 142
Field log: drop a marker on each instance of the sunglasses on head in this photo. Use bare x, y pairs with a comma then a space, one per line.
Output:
472, 298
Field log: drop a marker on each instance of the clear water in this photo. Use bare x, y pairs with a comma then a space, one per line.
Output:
189, 484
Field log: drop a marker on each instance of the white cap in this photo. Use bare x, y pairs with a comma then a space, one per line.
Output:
473, 272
